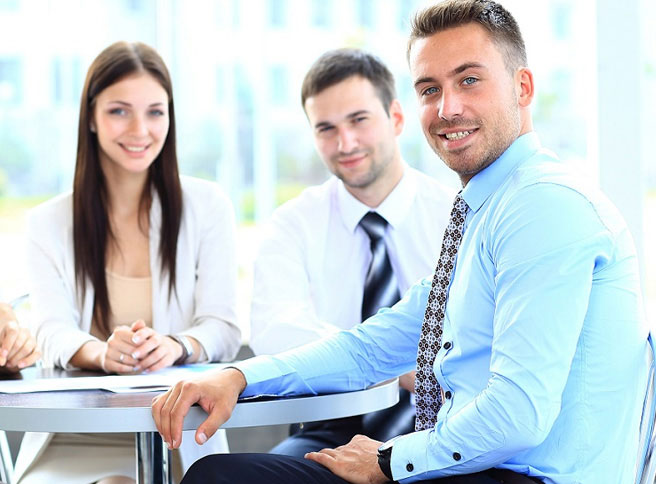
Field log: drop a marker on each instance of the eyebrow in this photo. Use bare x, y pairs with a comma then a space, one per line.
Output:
458, 70
355, 114
123, 103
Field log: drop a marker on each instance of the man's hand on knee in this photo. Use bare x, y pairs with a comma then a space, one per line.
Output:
356, 462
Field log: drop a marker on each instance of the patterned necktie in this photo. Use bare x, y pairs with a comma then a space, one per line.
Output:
427, 389
380, 288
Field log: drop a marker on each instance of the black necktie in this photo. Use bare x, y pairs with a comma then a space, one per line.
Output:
380, 287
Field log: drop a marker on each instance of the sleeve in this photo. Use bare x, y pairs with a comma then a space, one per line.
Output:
56, 315
383, 347
283, 315
214, 323
545, 247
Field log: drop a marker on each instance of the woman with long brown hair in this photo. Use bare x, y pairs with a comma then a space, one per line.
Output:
135, 269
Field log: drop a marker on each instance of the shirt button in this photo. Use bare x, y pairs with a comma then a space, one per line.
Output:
447, 345
409, 467
447, 395
456, 456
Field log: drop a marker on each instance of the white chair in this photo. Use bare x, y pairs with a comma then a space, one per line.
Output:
6, 462
646, 464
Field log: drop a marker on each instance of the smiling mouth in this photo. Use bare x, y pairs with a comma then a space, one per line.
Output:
457, 135
135, 149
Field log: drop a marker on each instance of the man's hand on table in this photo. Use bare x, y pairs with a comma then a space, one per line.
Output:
356, 462
216, 392
18, 348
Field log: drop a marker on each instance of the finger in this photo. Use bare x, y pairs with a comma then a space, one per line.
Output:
23, 347
142, 334
115, 366
322, 458
149, 345
330, 452
30, 359
122, 332
117, 348
163, 363
21, 337
149, 363
137, 325
162, 413
10, 333
123, 358
217, 415
173, 413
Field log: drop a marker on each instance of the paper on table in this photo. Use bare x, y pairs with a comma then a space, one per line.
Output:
156, 381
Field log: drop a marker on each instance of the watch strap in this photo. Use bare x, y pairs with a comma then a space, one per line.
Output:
385, 462
187, 348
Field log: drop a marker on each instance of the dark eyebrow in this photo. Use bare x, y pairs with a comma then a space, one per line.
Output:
458, 70
467, 65
123, 103
355, 114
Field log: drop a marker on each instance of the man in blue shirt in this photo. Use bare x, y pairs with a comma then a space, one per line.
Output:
541, 349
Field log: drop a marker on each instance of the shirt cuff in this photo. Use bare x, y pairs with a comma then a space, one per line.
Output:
410, 455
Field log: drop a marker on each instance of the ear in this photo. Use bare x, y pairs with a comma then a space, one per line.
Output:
524, 86
92, 127
396, 115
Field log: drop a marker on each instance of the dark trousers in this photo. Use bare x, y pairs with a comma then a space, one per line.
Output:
284, 469
381, 425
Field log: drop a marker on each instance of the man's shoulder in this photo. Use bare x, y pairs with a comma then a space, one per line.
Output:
431, 189
310, 203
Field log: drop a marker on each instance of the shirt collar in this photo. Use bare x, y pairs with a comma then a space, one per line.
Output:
485, 182
393, 209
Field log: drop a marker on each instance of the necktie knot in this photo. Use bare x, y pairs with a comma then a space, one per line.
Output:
374, 225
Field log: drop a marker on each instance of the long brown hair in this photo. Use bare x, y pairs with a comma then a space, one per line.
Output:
91, 228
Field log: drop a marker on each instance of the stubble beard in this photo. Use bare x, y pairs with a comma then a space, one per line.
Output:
491, 148
377, 168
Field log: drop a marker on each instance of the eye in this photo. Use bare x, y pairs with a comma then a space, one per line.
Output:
325, 129
429, 91
359, 119
468, 81
117, 111
156, 112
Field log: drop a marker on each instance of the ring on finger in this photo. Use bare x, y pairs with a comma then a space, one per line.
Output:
121, 358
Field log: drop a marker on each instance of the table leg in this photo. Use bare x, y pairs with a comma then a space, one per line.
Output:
153, 459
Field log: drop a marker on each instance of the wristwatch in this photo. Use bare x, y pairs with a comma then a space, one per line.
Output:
385, 458
187, 348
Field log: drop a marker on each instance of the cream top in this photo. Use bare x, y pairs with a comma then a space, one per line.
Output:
130, 299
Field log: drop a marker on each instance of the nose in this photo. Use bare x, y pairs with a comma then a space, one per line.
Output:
450, 105
138, 126
347, 140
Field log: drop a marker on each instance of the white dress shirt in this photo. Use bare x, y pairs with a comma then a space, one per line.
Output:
312, 263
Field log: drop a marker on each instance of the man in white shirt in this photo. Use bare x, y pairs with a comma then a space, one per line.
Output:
318, 270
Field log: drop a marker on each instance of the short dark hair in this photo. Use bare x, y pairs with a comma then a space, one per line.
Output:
495, 19
337, 65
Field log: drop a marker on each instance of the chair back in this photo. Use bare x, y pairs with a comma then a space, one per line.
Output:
646, 464
6, 462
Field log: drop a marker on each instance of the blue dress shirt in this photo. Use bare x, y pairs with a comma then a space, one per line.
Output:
546, 369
